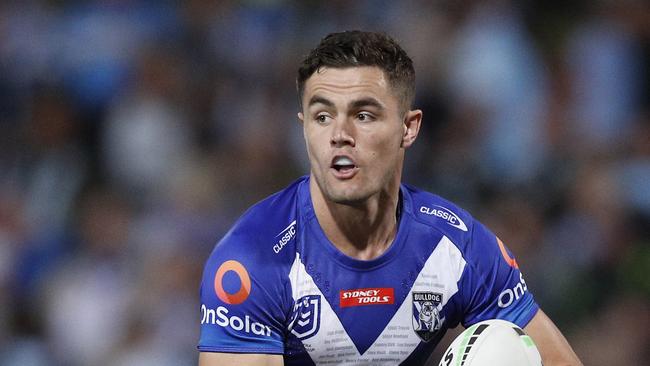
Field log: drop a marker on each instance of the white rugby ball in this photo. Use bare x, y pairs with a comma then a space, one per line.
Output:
492, 342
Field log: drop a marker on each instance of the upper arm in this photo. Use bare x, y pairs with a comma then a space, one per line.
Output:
493, 285
553, 347
243, 305
240, 359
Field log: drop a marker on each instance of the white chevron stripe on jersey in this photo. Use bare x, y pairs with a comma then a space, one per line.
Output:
332, 339
332, 344
441, 273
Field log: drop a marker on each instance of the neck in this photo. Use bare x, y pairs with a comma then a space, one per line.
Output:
363, 230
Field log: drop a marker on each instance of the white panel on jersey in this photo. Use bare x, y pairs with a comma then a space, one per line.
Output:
331, 340
440, 275
332, 344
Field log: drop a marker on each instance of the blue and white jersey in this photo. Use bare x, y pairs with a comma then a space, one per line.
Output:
275, 284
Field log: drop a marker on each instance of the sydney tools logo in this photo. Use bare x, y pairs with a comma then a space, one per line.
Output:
366, 296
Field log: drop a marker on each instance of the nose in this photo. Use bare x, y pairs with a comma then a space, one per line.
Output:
342, 134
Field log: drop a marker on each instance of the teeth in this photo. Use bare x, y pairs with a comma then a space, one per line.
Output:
343, 161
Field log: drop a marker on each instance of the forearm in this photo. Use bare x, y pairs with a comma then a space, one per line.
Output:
552, 345
239, 359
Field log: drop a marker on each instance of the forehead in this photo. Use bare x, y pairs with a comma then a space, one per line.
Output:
349, 82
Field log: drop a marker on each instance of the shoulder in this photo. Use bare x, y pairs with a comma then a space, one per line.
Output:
474, 241
258, 235
261, 228
246, 280
491, 285
440, 214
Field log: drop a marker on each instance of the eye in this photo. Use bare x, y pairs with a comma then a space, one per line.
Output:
322, 118
365, 117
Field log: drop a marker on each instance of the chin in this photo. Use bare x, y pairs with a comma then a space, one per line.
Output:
348, 192
346, 200
347, 196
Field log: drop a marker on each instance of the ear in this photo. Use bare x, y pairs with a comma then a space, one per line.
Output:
301, 118
412, 122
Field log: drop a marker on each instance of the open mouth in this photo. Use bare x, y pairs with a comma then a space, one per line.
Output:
343, 164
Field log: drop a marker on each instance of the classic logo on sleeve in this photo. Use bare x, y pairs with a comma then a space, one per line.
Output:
305, 320
366, 296
426, 314
240, 295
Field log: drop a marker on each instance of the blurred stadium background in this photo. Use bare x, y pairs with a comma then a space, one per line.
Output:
134, 133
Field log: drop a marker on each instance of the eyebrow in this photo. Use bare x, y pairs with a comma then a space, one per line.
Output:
364, 102
367, 102
320, 100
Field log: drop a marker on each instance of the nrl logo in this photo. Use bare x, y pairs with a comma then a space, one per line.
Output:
426, 314
305, 319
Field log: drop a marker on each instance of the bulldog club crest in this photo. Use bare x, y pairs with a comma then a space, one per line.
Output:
426, 314
305, 320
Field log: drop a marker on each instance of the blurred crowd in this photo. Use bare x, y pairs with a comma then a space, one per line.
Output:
135, 132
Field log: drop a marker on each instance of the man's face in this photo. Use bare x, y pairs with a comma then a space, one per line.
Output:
355, 132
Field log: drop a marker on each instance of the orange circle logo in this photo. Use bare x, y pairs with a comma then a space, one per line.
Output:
245, 288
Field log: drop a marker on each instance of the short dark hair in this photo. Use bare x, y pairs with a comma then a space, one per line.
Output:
358, 48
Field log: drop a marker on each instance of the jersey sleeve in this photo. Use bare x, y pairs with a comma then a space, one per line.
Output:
241, 299
493, 286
